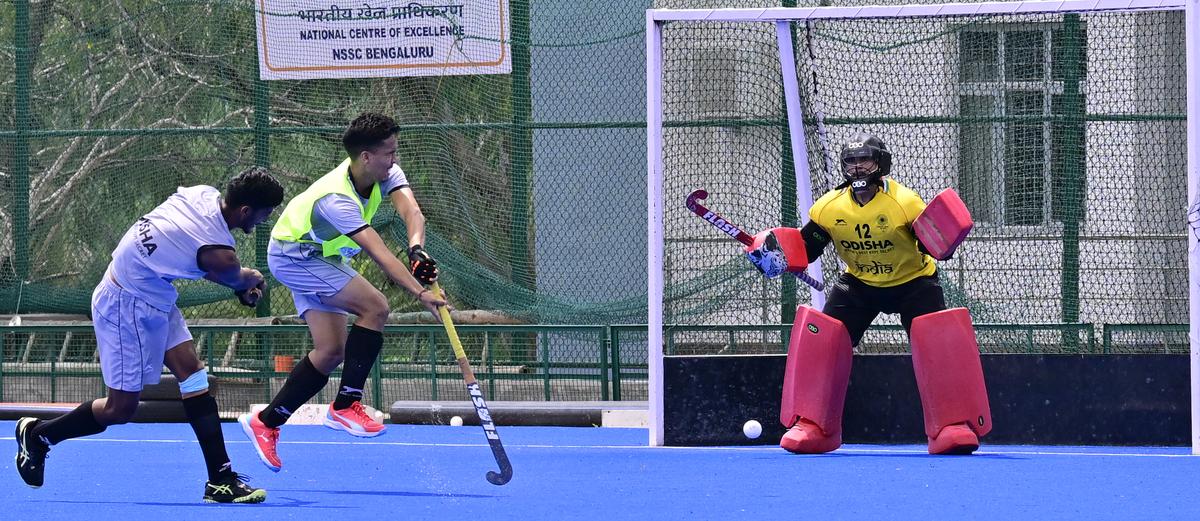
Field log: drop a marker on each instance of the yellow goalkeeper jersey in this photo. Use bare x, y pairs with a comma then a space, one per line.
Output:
875, 240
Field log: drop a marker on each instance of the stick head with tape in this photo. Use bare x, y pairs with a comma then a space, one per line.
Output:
695, 197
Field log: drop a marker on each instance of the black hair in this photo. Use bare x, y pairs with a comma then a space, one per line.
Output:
254, 187
367, 131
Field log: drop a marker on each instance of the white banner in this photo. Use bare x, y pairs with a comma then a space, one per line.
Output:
314, 39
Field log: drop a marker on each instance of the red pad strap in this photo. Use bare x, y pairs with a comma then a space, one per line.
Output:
945, 358
943, 225
818, 371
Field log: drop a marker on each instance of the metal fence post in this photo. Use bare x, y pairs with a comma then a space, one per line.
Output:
604, 395
20, 149
614, 342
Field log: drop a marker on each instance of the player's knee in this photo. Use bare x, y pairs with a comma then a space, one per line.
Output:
380, 312
195, 383
373, 311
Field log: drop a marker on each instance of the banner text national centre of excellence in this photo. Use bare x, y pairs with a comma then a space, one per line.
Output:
300, 39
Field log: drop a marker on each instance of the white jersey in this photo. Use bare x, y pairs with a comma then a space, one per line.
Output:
165, 244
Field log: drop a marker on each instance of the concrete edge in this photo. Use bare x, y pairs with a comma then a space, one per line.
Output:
148, 411
562, 414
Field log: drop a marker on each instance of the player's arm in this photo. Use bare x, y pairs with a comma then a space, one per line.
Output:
422, 264
221, 265
373, 244
816, 237
405, 203
815, 240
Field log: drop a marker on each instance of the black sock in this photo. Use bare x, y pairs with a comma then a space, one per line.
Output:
303, 383
362, 348
206, 423
78, 423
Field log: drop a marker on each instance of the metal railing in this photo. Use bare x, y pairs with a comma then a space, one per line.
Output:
57, 363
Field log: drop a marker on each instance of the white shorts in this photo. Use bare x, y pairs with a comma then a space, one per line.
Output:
308, 274
132, 336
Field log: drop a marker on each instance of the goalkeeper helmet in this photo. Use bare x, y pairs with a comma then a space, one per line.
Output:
864, 147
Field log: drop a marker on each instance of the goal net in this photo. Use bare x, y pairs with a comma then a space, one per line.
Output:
1063, 126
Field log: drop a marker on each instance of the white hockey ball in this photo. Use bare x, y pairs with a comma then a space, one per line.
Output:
752, 429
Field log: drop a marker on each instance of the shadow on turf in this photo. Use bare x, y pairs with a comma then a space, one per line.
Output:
399, 493
884, 454
270, 503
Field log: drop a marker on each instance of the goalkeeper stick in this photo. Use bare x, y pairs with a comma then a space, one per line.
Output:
724, 225
481, 408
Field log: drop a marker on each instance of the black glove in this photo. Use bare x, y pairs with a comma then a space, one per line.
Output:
424, 268
249, 296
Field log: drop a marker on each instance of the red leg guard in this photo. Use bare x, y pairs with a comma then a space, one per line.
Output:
814, 386
950, 380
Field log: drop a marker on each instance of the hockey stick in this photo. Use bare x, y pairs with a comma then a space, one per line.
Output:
737, 233
481, 408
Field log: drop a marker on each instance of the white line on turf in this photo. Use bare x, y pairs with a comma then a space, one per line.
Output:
770, 448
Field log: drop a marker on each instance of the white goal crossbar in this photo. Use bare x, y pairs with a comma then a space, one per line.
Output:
783, 17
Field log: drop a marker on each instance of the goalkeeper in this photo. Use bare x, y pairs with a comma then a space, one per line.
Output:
139, 328
870, 218
311, 246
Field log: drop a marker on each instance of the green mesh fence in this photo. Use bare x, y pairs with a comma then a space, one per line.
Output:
108, 106
1061, 133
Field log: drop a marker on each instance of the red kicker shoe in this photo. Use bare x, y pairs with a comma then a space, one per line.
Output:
954, 439
355, 420
806, 437
263, 438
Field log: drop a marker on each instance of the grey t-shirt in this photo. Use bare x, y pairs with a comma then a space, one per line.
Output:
338, 214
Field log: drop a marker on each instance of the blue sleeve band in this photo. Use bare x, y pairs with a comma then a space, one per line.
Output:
195, 383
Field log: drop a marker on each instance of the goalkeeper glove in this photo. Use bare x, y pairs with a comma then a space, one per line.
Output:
424, 268
768, 258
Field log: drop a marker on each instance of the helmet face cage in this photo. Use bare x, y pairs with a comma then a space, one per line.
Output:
866, 146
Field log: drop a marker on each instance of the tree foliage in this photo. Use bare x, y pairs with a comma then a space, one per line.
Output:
142, 96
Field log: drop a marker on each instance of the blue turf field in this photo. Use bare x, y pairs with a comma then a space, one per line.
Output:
154, 472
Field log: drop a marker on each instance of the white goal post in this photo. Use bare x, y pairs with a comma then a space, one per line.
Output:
783, 20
